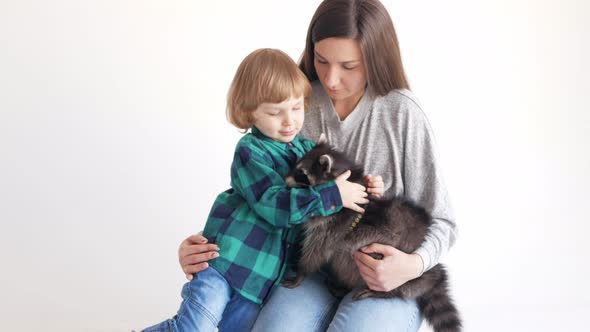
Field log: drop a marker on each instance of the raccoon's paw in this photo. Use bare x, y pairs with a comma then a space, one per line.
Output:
292, 282
371, 293
363, 294
376, 255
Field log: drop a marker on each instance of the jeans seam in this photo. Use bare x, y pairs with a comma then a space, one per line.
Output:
321, 322
200, 307
412, 320
172, 327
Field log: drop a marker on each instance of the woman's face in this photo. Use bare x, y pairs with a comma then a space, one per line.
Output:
340, 68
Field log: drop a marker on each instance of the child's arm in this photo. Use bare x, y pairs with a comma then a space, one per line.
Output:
268, 195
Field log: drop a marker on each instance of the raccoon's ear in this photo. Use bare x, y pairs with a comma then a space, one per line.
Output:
326, 161
323, 139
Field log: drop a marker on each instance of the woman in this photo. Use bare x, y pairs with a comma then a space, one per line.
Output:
361, 100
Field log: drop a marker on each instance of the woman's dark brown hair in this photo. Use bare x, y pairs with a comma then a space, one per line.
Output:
368, 22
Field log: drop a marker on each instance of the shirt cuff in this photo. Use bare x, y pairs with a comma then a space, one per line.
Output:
330, 197
423, 253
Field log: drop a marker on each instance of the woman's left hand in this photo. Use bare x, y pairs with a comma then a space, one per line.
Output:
395, 269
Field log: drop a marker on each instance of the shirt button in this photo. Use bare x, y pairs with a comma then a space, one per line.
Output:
332, 207
312, 215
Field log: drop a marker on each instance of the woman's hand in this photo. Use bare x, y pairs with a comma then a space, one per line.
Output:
395, 269
351, 193
194, 253
375, 185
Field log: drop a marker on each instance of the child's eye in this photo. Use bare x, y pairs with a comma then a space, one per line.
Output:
348, 67
321, 61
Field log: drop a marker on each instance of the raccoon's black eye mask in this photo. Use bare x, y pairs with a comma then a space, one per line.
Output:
301, 179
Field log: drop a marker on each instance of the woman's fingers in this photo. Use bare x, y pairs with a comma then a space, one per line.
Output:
194, 253
197, 249
197, 262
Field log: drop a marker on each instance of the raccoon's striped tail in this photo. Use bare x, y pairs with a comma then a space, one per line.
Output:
437, 306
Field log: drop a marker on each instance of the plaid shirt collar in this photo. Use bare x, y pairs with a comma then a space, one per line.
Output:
296, 141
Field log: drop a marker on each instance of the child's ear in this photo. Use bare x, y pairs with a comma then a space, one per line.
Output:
326, 161
323, 139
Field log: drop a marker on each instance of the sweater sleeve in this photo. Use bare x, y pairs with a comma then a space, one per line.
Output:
266, 192
423, 183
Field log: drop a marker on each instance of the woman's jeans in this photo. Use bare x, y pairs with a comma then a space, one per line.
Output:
209, 302
311, 307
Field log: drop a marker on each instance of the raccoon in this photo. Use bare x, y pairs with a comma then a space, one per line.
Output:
329, 241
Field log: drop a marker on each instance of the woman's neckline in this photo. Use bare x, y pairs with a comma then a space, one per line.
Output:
357, 113
349, 108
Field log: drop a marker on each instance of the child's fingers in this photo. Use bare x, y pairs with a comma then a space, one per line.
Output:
344, 175
358, 209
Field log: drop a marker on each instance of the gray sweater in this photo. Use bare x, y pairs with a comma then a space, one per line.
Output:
390, 136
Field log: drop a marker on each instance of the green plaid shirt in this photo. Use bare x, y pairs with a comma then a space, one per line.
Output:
254, 222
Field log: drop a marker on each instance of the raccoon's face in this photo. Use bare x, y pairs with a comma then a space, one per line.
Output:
320, 165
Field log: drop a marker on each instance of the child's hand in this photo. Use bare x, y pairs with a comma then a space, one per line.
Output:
375, 184
351, 193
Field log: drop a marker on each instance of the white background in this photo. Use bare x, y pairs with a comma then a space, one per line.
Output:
114, 143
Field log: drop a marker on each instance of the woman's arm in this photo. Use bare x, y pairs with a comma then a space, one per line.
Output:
194, 253
396, 268
422, 183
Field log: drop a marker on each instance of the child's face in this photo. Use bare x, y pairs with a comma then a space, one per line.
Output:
281, 121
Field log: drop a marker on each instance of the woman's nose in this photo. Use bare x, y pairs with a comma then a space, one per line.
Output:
332, 77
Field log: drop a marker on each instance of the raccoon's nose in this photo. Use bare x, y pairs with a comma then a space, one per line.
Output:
290, 181
301, 179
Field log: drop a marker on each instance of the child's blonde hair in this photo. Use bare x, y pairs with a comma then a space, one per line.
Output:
264, 76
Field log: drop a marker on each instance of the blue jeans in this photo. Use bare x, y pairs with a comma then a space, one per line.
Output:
311, 307
209, 302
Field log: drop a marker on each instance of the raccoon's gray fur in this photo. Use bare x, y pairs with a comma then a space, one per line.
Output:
329, 241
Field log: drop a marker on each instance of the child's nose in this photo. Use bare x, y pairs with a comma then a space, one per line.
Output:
287, 120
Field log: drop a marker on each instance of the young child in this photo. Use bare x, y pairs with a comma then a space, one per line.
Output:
252, 222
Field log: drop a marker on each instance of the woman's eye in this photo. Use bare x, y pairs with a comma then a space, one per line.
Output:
321, 61
348, 68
